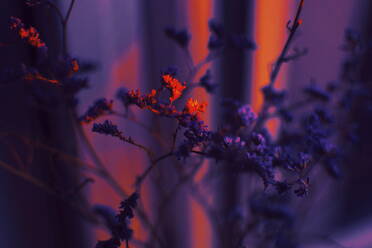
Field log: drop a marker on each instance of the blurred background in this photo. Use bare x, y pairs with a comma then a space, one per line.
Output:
125, 42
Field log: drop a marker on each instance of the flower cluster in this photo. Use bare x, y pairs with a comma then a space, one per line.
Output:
120, 230
99, 108
176, 87
205, 82
106, 128
31, 35
181, 37
242, 143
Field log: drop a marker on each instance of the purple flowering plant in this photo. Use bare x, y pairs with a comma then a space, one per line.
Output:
242, 143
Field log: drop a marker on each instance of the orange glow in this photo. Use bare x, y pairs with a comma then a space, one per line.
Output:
75, 65
199, 12
125, 69
270, 35
38, 76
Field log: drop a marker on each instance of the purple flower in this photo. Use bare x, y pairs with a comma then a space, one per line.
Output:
181, 37
106, 128
123, 96
246, 115
215, 43
273, 96
315, 92
121, 231
235, 142
205, 82
99, 108
216, 39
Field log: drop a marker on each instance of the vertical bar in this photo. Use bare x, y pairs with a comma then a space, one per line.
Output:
234, 80
199, 13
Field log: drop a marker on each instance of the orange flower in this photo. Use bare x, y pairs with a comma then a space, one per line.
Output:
30, 34
75, 65
193, 107
175, 86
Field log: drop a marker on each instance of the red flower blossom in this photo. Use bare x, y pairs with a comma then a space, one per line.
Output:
30, 34
193, 107
175, 86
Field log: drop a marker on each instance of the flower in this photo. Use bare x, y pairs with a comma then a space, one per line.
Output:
121, 231
205, 82
176, 87
216, 39
246, 115
99, 108
315, 92
193, 107
106, 128
181, 37
31, 35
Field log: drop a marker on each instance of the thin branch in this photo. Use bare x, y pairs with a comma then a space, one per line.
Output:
69, 11
34, 181
76, 161
58, 11
292, 30
129, 140
109, 178
279, 62
64, 26
154, 162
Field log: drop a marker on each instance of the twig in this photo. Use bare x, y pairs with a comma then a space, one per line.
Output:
109, 178
27, 177
154, 162
76, 161
292, 30
129, 140
279, 62
64, 26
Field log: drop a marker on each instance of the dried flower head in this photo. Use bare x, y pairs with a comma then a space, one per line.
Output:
99, 108
193, 107
174, 85
31, 35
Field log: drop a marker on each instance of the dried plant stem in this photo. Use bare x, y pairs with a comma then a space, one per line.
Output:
64, 21
111, 180
282, 57
36, 182
263, 115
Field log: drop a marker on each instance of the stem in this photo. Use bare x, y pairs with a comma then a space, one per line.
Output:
76, 161
292, 31
110, 179
278, 64
132, 142
59, 13
64, 26
34, 181
69, 11
154, 162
